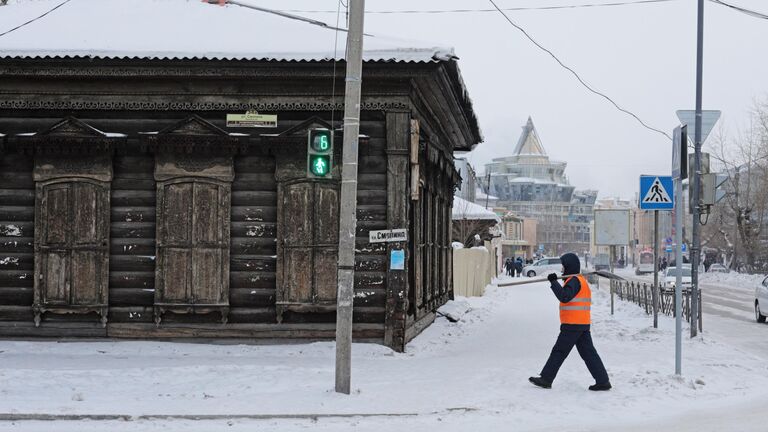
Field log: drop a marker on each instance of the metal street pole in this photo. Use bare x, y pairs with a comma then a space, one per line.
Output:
697, 175
348, 208
488, 192
679, 274
655, 289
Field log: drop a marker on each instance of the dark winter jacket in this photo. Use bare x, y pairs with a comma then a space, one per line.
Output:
566, 293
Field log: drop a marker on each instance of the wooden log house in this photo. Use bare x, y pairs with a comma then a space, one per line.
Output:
128, 208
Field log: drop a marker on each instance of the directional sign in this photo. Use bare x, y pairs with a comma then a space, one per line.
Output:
656, 193
708, 120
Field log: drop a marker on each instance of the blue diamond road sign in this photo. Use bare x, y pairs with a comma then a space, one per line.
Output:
656, 193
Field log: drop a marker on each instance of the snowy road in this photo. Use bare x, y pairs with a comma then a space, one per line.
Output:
470, 375
728, 307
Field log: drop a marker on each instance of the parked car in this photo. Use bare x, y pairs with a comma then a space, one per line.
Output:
761, 298
670, 277
543, 267
718, 268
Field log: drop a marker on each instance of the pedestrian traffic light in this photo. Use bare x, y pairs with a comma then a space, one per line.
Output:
319, 153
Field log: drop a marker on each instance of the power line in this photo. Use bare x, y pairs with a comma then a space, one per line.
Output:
749, 12
335, 53
283, 14
587, 86
442, 11
35, 19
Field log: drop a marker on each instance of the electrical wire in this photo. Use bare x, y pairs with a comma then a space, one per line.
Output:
578, 77
442, 11
335, 51
749, 12
35, 19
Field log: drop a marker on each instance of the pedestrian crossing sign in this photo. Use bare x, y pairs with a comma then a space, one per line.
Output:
656, 193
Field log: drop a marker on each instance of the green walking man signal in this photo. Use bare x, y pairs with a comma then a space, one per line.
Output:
319, 153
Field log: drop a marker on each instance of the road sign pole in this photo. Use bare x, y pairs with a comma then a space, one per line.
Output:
348, 220
696, 243
678, 275
655, 289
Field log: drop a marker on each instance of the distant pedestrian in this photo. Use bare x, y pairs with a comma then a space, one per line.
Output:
508, 266
575, 319
518, 267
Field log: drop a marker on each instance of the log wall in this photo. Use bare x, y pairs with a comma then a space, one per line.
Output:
132, 247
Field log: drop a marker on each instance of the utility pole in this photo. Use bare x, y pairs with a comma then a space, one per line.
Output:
655, 291
695, 247
347, 214
679, 274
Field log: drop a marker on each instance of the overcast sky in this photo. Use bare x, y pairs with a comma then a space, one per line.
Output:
643, 56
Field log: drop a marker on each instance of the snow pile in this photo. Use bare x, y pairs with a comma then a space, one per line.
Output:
454, 310
467, 375
733, 279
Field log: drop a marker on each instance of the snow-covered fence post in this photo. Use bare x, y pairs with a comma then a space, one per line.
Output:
701, 322
645, 298
612, 285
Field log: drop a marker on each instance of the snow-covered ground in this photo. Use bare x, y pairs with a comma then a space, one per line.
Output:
468, 375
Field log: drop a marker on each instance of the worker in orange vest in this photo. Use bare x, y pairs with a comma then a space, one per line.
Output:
575, 319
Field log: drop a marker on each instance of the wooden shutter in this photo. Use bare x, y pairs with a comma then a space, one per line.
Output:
72, 254
55, 245
308, 215
193, 246
326, 242
175, 243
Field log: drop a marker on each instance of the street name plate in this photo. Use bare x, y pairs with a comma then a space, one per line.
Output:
252, 119
388, 236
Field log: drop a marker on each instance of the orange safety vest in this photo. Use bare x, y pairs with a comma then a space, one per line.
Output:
577, 311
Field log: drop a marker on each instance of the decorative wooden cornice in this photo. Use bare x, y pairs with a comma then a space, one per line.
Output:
108, 103
194, 135
69, 136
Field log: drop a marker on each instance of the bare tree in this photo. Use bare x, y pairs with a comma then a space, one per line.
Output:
738, 227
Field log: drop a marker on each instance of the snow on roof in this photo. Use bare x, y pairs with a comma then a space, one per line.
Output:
184, 29
480, 194
463, 209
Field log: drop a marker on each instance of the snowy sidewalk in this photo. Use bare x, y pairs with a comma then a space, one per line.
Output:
463, 376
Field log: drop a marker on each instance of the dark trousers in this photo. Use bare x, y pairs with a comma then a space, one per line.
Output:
583, 341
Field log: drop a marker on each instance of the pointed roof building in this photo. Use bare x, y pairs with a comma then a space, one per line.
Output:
530, 184
529, 163
529, 143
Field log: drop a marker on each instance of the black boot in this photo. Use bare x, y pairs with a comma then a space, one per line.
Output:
540, 382
600, 387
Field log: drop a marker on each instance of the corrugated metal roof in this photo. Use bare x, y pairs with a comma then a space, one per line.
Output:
184, 29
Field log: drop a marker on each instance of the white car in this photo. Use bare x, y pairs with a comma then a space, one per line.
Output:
718, 268
670, 277
761, 299
543, 267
